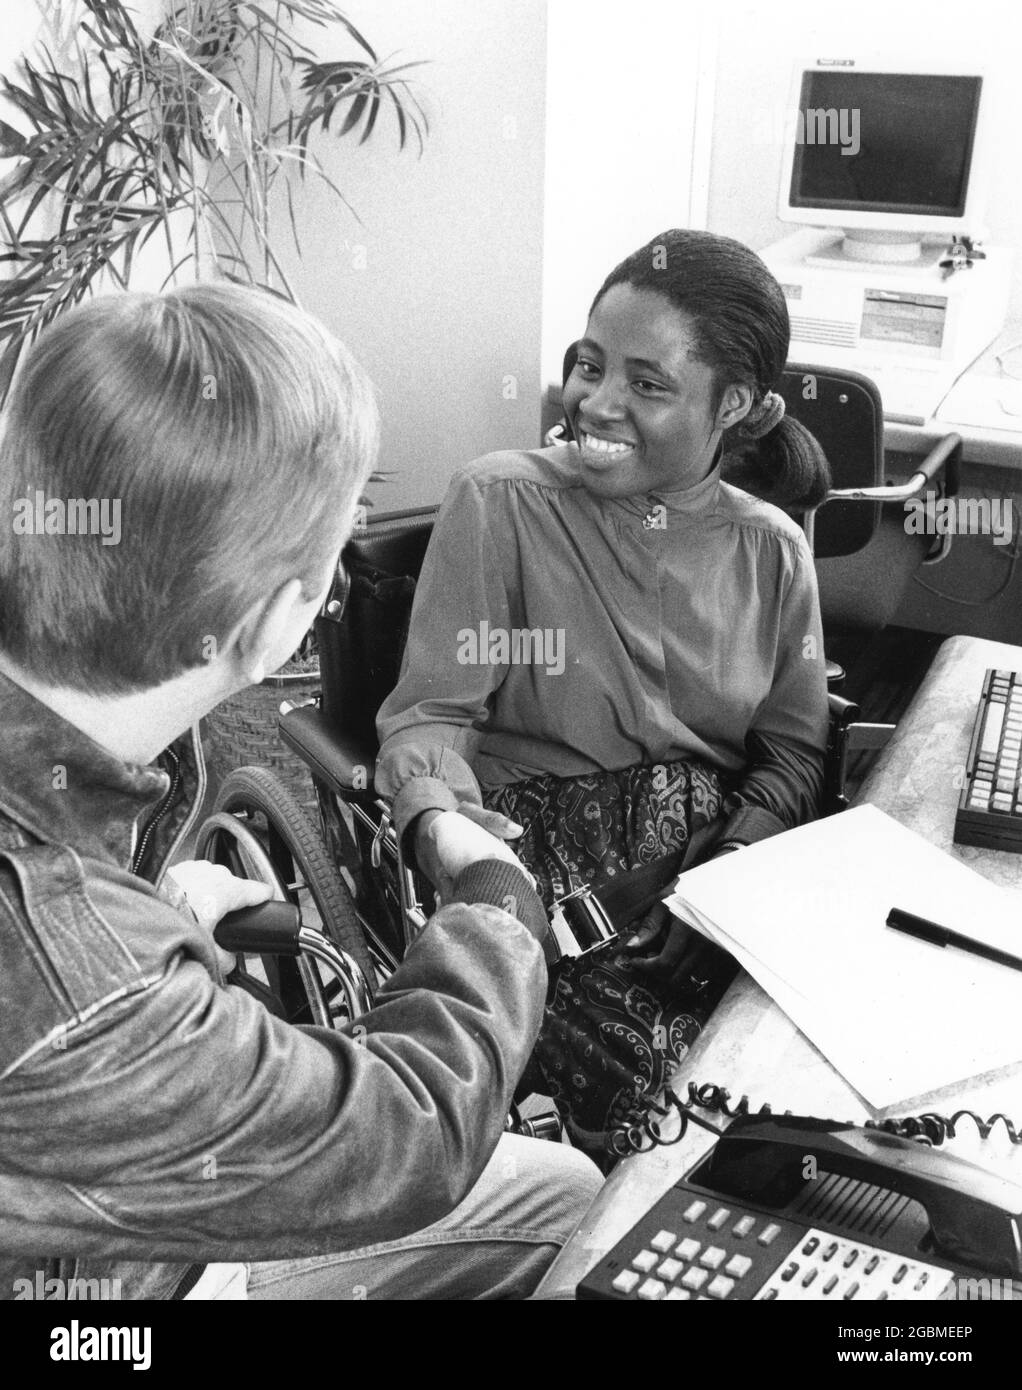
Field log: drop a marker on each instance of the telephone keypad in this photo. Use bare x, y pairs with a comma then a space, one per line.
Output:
730, 1254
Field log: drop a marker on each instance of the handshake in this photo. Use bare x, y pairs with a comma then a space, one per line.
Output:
448, 842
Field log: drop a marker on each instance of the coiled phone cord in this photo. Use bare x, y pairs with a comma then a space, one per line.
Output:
645, 1130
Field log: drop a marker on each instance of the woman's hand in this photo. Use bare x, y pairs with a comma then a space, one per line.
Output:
502, 826
663, 947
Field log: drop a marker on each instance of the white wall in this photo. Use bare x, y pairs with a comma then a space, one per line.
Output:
438, 289
757, 49
623, 156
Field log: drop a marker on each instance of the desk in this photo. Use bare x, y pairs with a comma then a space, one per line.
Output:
998, 447
752, 1046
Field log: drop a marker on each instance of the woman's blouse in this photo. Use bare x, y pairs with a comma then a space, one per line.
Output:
558, 632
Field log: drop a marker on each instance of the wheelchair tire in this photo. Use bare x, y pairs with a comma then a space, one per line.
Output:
290, 830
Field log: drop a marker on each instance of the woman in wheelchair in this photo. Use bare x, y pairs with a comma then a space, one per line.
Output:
615, 658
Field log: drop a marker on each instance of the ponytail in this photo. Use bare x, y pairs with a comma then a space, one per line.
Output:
785, 466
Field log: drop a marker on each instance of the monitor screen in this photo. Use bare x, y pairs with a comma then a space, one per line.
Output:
878, 142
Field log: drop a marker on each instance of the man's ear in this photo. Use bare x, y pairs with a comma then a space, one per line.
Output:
735, 404
262, 629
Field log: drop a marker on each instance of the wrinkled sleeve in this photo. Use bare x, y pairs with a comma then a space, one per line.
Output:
783, 780
428, 726
214, 1131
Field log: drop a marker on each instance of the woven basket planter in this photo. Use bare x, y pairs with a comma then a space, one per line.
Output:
242, 732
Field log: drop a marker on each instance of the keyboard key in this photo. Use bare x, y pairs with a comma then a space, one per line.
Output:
769, 1234
695, 1279
810, 1245
669, 1270
789, 1271
712, 1257
738, 1266
719, 1287
770, 1295
810, 1276
650, 1290
830, 1251
871, 1266
743, 1226
662, 1241
719, 1218
991, 735
688, 1249
831, 1284
850, 1292
677, 1295
899, 1276
693, 1212
626, 1281
645, 1260
850, 1258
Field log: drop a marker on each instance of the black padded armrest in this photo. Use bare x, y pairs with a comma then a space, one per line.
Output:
344, 763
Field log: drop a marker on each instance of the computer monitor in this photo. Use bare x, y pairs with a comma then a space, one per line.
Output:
888, 151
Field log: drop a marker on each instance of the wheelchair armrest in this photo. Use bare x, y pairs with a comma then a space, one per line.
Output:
945, 456
342, 762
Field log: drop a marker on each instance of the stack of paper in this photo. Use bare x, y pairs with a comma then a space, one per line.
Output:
805, 914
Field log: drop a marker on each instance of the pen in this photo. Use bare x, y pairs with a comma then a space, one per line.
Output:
925, 930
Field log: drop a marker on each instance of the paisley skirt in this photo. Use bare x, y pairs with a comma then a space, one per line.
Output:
610, 1039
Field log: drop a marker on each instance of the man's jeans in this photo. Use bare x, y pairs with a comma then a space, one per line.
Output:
498, 1243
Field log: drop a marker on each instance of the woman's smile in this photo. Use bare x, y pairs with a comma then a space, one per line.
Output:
601, 451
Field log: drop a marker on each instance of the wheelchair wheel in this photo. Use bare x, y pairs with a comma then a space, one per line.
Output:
295, 848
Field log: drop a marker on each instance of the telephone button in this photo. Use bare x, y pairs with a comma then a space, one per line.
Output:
645, 1260
831, 1284
650, 1290
626, 1281
899, 1276
851, 1291
872, 1265
789, 1271
712, 1257
850, 1258
719, 1218
695, 1279
662, 1241
769, 1233
743, 1226
677, 1295
670, 1269
769, 1295
810, 1276
830, 1251
720, 1287
810, 1245
738, 1266
688, 1249
693, 1212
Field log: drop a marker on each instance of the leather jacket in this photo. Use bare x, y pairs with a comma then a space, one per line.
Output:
153, 1119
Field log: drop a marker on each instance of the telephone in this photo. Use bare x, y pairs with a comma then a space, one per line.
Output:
795, 1208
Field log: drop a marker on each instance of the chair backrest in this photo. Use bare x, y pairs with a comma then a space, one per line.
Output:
361, 639
843, 411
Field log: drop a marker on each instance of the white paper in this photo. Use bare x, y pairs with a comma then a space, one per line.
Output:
805, 914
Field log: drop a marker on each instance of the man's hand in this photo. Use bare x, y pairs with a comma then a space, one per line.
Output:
213, 891
663, 947
447, 842
502, 826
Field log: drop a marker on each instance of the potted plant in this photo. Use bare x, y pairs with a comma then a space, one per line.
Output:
191, 136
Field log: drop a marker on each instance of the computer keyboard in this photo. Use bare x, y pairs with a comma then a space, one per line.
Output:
990, 806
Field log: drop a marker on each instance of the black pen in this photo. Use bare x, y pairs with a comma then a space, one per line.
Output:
925, 930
